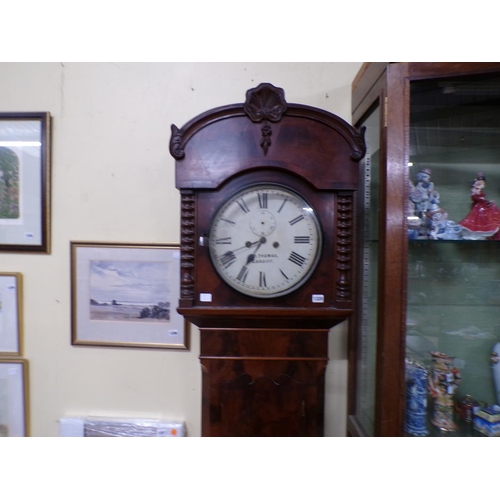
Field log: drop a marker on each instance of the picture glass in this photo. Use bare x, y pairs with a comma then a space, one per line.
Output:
12, 399
23, 182
9, 314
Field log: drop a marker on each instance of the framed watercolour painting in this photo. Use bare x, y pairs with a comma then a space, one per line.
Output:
10, 313
25, 182
126, 295
14, 402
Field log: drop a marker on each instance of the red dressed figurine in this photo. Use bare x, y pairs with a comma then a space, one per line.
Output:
483, 220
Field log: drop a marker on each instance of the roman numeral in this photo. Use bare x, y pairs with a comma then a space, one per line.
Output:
243, 205
224, 241
262, 200
302, 239
227, 259
286, 277
242, 275
297, 259
297, 219
262, 279
229, 221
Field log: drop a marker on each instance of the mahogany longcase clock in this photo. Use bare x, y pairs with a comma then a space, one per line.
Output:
268, 218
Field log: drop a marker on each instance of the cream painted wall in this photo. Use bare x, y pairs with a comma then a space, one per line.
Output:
113, 181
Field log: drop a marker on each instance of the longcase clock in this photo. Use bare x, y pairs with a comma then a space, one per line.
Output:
268, 217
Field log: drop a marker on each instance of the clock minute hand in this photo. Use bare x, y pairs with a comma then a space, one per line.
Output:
248, 244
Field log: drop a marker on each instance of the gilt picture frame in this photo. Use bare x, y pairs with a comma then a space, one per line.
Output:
10, 314
14, 397
25, 182
126, 295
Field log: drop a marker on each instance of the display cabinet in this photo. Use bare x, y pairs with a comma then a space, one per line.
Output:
424, 345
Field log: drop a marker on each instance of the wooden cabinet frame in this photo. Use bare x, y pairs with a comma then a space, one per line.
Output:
388, 84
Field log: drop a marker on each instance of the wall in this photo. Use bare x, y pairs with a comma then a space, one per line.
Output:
113, 181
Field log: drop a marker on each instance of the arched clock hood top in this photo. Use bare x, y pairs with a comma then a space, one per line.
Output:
266, 131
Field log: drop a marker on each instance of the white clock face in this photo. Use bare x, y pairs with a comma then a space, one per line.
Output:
265, 241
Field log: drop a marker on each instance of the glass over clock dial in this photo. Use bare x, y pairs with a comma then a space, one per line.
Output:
265, 241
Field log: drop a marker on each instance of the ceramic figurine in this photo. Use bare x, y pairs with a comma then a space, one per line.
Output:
430, 220
465, 408
424, 197
416, 399
414, 222
483, 220
444, 379
423, 193
440, 228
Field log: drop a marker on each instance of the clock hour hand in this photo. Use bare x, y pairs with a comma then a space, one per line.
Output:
251, 257
230, 256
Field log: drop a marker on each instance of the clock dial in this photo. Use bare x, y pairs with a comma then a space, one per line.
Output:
265, 241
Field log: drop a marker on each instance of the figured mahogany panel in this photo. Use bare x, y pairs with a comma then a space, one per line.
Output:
263, 407
259, 397
232, 146
265, 131
258, 342
262, 381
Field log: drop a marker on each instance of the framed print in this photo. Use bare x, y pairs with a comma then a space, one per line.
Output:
25, 182
126, 295
10, 313
14, 401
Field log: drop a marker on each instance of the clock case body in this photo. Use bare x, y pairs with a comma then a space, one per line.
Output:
263, 359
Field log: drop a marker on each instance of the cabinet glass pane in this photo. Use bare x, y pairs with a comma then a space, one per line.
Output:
453, 296
365, 404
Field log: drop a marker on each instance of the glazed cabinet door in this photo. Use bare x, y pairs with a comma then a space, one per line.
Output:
453, 281
364, 339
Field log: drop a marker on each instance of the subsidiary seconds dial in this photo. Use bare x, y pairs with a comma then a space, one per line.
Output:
265, 241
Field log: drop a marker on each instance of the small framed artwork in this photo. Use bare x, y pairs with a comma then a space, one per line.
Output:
10, 314
126, 295
14, 401
25, 182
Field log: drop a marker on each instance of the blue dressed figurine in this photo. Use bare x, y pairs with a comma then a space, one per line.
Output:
417, 377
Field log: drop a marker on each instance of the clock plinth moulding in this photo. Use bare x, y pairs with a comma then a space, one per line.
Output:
265, 284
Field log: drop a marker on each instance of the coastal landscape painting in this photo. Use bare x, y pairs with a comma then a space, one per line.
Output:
129, 291
126, 295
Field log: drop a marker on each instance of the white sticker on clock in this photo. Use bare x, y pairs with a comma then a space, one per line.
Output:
318, 298
205, 297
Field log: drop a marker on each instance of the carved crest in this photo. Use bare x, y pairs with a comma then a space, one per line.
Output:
265, 102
